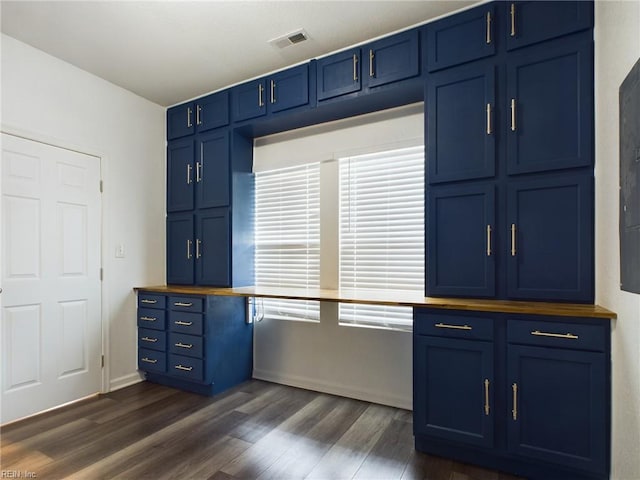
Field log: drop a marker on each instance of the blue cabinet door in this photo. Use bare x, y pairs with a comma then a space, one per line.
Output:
393, 58
212, 249
212, 169
339, 74
550, 105
534, 21
461, 244
289, 88
181, 120
550, 227
558, 406
180, 175
460, 127
461, 38
453, 389
249, 100
212, 111
180, 249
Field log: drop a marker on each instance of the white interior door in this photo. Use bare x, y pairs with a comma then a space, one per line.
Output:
51, 340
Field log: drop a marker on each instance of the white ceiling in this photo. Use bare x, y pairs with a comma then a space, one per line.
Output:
171, 51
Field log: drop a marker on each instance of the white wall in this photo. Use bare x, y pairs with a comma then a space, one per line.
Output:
365, 363
617, 48
50, 100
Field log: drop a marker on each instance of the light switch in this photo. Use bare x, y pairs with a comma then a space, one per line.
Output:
120, 251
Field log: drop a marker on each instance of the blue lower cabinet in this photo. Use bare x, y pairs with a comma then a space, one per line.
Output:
204, 346
526, 394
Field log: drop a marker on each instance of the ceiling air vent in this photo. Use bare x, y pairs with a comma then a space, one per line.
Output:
290, 39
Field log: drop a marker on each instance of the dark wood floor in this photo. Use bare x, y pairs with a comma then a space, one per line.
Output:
258, 430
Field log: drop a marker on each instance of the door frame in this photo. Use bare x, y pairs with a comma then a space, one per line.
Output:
102, 157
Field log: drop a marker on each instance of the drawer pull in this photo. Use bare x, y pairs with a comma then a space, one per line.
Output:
149, 339
182, 367
146, 300
454, 327
182, 304
148, 319
184, 324
149, 360
183, 345
568, 336
514, 412
486, 396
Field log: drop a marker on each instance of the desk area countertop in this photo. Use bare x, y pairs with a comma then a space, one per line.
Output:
393, 298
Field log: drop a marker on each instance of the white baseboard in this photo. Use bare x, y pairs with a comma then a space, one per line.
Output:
383, 398
125, 381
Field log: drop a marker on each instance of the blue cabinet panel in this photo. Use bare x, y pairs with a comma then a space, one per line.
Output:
181, 121
188, 345
558, 405
186, 322
339, 74
180, 175
213, 248
152, 339
453, 389
550, 226
550, 95
460, 127
289, 88
393, 58
460, 241
180, 249
535, 21
212, 169
212, 111
249, 100
461, 38
152, 360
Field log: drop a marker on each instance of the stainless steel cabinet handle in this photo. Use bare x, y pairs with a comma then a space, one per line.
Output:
513, 20
454, 327
189, 112
198, 252
148, 360
513, 114
486, 396
181, 367
183, 345
488, 40
489, 128
568, 336
146, 300
198, 116
148, 319
149, 339
514, 411
488, 240
513, 239
371, 57
273, 91
189, 249
182, 304
184, 324
189, 168
355, 67
260, 91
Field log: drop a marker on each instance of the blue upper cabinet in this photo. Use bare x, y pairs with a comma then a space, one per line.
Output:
393, 58
461, 244
204, 114
278, 92
339, 74
535, 21
212, 169
460, 126
181, 175
550, 105
288, 89
550, 232
461, 38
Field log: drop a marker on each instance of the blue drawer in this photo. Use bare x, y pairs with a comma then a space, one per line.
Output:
558, 334
150, 318
452, 326
189, 345
184, 322
152, 339
186, 367
186, 304
152, 360
148, 300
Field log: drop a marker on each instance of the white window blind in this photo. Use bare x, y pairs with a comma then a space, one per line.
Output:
382, 232
287, 237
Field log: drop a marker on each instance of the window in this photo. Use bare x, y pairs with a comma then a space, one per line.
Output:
287, 237
382, 231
